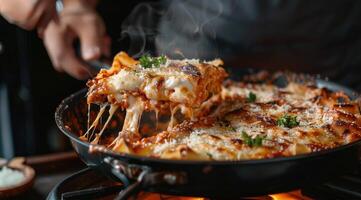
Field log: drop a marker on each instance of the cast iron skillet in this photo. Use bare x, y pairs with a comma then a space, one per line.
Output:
226, 179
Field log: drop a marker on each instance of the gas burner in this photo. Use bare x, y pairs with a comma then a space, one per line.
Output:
89, 184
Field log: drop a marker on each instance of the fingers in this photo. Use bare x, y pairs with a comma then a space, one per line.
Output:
45, 19
58, 42
75, 22
26, 14
90, 31
42, 8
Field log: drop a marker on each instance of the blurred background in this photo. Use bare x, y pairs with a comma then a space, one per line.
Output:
322, 37
30, 88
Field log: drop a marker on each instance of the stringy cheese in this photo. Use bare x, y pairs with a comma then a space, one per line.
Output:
177, 85
221, 122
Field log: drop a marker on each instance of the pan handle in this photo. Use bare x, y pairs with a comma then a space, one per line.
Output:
137, 177
132, 189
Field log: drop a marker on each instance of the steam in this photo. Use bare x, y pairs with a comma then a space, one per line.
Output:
139, 29
177, 29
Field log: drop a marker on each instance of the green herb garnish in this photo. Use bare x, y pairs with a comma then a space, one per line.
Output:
251, 97
147, 61
252, 142
288, 121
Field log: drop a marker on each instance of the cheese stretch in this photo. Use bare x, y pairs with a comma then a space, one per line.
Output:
221, 121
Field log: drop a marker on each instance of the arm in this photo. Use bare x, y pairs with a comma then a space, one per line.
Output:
77, 20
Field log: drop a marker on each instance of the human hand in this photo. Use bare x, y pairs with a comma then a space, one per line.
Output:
28, 14
77, 20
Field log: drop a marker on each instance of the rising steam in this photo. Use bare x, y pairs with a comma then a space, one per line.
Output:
140, 28
174, 28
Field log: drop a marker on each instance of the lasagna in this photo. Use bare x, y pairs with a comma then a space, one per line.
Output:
223, 121
153, 84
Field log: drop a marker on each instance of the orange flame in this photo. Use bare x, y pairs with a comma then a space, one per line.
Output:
294, 195
157, 196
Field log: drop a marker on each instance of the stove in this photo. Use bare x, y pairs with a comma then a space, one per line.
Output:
88, 184
64, 176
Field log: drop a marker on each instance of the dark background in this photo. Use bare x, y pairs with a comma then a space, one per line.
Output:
35, 88
317, 37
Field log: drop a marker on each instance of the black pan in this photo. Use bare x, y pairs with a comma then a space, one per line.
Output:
225, 179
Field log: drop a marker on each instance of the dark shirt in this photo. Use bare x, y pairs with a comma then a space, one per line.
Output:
320, 37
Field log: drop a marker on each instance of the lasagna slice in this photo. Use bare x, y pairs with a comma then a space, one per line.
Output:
154, 84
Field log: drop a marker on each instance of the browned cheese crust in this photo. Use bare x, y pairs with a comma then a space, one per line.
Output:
233, 121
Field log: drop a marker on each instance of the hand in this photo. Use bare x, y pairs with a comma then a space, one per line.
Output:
28, 14
77, 20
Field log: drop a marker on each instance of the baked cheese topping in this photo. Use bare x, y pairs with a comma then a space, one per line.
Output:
154, 84
233, 121
187, 81
294, 120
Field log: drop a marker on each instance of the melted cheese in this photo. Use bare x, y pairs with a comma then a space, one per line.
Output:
214, 141
95, 122
133, 114
112, 110
217, 117
125, 80
182, 87
176, 85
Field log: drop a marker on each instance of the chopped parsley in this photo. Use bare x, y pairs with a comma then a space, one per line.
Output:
252, 142
251, 97
147, 61
288, 121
